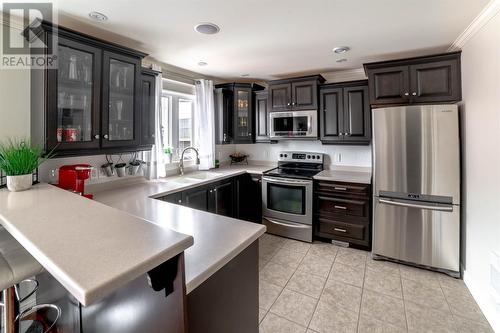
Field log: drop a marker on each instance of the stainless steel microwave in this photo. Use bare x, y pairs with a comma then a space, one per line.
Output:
294, 124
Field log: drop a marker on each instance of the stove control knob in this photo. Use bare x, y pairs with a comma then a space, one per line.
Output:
281, 155
286, 155
308, 157
313, 157
318, 157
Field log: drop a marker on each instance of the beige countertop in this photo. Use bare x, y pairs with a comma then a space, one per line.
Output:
217, 239
90, 248
346, 174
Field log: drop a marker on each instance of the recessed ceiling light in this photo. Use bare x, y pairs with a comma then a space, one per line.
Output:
202, 63
99, 17
245, 75
341, 49
206, 28
342, 60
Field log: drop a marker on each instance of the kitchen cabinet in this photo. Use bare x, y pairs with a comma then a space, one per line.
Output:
121, 100
345, 113
261, 117
234, 112
294, 94
238, 197
148, 103
90, 103
248, 191
430, 79
221, 198
343, 212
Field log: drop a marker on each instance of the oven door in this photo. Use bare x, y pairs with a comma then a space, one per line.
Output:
287, 199
297, 124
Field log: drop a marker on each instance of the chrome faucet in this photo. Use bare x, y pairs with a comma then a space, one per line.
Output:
181, 162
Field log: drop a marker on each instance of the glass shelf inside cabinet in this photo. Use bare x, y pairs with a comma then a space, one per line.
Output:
74, 95
121, 101
242, 112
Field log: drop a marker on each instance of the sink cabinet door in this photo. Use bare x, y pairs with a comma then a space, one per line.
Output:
196, 198
222, 199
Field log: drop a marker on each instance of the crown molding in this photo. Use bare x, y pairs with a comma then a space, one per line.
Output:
488, 12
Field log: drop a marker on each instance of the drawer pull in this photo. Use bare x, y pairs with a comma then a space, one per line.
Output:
340, 188
339, 230
340, 207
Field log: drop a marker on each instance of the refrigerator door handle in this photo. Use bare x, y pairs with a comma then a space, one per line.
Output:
443, 208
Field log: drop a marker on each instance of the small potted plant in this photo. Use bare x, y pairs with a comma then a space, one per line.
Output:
168, 155
18, 160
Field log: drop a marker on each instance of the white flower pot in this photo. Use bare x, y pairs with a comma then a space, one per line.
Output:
19, 183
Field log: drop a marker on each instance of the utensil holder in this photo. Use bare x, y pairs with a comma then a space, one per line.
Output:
107, 169
121, 170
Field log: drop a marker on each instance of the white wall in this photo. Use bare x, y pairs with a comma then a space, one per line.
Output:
15, 102
335, 154
481, 156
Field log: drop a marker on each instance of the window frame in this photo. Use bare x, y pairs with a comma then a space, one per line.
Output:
172, 132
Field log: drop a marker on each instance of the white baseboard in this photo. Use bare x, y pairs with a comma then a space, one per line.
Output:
485, 301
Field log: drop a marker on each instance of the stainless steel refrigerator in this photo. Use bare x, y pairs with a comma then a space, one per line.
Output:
416, 171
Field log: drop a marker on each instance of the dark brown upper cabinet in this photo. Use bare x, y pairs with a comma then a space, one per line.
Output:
234, 112
294, 94
121, 102
90, 103
345, 113
261, 117
430, 79
148, 101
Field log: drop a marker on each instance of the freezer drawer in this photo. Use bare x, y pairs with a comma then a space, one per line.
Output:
417, 232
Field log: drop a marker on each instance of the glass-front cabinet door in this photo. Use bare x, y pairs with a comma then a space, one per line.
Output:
243, 115
121, 100
74, 97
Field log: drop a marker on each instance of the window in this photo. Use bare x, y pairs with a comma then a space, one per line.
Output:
177, 123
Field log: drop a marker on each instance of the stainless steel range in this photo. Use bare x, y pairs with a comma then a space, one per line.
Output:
287, 194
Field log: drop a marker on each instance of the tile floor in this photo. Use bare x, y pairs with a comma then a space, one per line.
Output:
324, 288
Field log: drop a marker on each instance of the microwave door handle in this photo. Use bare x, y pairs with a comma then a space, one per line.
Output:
443, 208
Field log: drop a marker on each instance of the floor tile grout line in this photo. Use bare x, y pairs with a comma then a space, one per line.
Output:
362, 293
322, 290
281, 292
403, 297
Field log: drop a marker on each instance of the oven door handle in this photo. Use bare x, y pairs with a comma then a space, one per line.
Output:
286, 182
292, 225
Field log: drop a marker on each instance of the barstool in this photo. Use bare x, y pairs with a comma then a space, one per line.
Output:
16, 267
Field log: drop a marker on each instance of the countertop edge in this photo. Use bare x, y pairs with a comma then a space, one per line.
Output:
196, 282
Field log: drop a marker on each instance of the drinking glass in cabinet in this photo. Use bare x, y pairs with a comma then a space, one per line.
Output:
121, 101
74, 95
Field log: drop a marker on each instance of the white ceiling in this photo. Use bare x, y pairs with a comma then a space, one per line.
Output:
276, 38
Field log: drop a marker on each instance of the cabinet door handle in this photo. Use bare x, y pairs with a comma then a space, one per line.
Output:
106, 136
96, 136
152, 135
414, 94
340, 207
407, 94
339, 230
215, 190
294, 103
180, 201
338, 188
288, 104
211, 191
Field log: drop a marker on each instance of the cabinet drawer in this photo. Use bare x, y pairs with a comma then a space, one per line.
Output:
347, 230
343, 207
343, 188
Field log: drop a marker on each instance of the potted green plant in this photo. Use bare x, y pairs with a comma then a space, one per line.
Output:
168, 155
18, 160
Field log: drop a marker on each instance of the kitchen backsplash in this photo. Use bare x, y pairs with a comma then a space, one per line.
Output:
335, 155
49, 170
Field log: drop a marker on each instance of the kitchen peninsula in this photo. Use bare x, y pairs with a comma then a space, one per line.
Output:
101, 256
